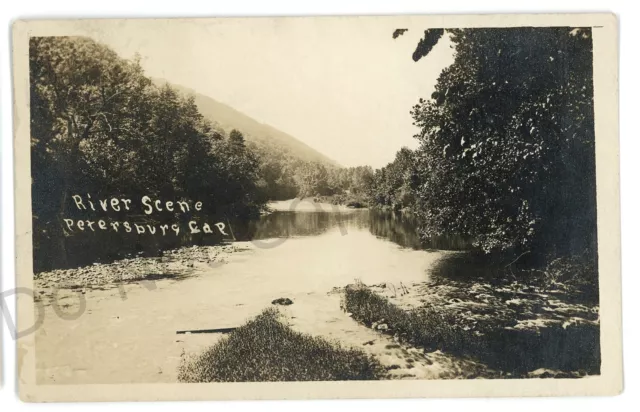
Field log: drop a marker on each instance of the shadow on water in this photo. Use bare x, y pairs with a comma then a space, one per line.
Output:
82, 248
401, 228
472, 266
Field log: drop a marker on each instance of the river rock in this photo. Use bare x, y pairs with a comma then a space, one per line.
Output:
282, 301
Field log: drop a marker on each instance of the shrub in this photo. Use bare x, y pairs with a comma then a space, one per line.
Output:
576, 274
265, 349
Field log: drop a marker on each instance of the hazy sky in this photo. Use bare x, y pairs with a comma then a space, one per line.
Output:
343, 86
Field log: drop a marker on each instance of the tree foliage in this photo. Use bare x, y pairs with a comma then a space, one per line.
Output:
506, 150
426, 44
394, 185
100, 126
285, 176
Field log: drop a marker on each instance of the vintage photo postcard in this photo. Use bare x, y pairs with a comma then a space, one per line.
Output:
317, 207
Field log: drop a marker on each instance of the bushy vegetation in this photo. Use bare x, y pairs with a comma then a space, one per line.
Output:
576, 276
265, 349
100, 127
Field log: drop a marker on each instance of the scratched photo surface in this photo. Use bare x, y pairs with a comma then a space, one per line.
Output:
271, 200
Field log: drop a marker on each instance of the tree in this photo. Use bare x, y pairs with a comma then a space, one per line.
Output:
82, 96
312, 179
507, 141
236, 138
99, 126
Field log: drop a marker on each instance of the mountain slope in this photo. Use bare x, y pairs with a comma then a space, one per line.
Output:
228, 118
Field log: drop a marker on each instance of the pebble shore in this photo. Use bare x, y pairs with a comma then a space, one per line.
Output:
172, 264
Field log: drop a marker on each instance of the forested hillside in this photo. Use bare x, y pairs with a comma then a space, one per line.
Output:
227, 118
288, 167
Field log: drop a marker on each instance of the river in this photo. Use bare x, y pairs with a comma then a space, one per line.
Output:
129, 334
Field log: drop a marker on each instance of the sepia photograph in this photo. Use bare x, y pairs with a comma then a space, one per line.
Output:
393, 203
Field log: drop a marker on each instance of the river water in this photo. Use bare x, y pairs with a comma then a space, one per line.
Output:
291, 219
301, 255
129, 333
398, 228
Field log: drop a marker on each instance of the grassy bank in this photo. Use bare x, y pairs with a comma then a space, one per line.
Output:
427, 327
265, 349
569, 349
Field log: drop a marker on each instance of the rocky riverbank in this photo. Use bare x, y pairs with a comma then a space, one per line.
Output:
177, 263
519, 330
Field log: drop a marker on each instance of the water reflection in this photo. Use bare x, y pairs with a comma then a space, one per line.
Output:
397, 228
83, 248
287, 224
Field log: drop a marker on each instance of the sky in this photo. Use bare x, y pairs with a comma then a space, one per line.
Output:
343, 86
